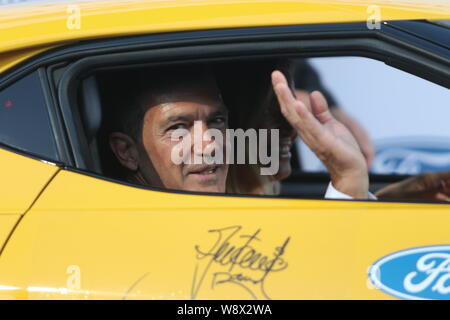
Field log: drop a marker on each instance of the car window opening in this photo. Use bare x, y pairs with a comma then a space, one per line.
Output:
224, 128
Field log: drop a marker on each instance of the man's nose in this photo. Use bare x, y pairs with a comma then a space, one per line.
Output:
204, 142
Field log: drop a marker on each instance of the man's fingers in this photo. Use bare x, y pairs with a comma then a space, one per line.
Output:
319, 107
297, 114
278, 77
368, 153
290, 107
304, 97
281, 88
294, 110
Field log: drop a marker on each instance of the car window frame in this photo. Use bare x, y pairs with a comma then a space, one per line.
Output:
424, 58
212, 52
387, 50
49, 108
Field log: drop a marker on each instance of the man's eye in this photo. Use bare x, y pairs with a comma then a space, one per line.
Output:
219, 120
177, 126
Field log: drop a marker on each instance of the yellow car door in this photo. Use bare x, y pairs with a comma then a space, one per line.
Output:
26, 138
22, 179
87, 238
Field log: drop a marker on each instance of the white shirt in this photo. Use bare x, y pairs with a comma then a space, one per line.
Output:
333, 193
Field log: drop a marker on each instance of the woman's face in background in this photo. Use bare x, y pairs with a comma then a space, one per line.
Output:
273, 119
287, 136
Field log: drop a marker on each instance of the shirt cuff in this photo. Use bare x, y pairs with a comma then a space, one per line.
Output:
333, 193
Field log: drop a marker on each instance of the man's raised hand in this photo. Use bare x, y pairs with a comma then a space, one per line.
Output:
331, 141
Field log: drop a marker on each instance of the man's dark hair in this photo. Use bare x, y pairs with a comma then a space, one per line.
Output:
126, 94
246, 87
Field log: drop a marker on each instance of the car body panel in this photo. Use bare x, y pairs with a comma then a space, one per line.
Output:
22, 180
54, 24
7, 223
12, 58
88, 238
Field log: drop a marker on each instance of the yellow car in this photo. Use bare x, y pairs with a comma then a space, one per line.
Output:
69, 232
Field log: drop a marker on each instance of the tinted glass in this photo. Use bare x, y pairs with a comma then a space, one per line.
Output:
24, 121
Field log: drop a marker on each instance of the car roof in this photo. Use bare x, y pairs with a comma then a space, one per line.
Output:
42, 24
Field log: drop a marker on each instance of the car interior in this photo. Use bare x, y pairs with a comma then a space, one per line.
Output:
84, 113
97, 156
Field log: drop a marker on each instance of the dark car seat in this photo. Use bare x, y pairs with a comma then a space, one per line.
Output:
91, 116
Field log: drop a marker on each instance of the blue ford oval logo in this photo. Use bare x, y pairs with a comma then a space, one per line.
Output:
418, 273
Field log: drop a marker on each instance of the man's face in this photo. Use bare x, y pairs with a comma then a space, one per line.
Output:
180, 109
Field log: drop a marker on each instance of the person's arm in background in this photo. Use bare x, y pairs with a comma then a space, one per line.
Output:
306, 80
430, 186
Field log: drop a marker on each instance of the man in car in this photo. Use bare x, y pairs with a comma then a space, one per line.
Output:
150, 105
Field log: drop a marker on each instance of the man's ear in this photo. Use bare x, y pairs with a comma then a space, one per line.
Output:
125, 150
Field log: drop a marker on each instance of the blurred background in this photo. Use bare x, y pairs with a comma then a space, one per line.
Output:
407, 117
